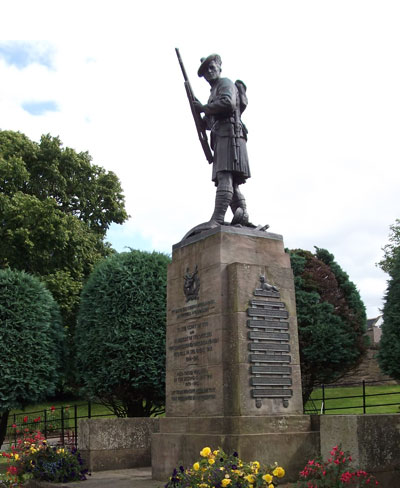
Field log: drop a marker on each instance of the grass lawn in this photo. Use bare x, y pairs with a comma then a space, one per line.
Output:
353, 401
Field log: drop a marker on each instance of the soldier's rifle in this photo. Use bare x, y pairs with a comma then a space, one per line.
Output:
196, 116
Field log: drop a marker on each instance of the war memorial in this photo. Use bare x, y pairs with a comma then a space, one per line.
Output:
232, 374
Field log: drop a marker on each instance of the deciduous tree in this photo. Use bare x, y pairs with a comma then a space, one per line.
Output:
55, 209
391, 250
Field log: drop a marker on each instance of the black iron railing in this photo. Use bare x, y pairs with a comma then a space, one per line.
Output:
59, 424
362, 396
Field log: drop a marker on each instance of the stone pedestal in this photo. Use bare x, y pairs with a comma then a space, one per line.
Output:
233, 374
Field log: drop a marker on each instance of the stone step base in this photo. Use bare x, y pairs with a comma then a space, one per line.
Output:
290, 441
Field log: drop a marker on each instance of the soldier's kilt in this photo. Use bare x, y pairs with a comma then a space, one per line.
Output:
224, 159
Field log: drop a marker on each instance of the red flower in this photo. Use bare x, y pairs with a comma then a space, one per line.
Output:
37, 420
52, 408
12, 470
14, 426
26, 419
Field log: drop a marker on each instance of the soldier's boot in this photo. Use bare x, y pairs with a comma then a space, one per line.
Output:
223, 199
239, 210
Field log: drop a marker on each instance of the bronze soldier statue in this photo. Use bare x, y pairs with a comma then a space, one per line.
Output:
228, 141
222, 116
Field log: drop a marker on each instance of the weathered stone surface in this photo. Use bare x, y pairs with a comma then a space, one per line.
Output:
209, 378
289, 440
208, 352
373, 441
116, 443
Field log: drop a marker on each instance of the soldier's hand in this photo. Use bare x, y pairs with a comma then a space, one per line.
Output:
198, 106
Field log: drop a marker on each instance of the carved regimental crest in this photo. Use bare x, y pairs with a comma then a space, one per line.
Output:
191, 286
269, 345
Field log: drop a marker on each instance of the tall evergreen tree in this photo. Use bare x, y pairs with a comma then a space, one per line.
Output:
389, 346
331, 318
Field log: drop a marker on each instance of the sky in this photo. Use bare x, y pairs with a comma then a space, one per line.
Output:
323, 82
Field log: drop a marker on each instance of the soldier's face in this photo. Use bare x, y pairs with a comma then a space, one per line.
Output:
212, 72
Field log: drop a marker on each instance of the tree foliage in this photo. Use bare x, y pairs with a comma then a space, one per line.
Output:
120, 334
55, 209
389, 346
31, 341
331, 318
391, 251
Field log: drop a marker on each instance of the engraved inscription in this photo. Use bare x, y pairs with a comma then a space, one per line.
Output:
192, 341
271, 393
273, 336
267, 324
193, 310
284, 370
262, 312
262, 346
270, 381
267, 358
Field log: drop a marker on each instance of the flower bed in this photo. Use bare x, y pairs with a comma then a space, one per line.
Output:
216, 469
32, 458
336, 472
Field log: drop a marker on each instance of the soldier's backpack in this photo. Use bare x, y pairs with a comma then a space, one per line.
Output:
242, 95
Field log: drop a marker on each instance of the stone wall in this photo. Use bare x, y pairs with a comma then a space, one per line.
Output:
373, 441
116, 443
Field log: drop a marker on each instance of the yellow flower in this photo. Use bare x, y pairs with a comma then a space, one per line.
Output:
216, 452
196, 466
267, 478
16, 456
278, 472
271, 486
211, 461
226, 482
250, 478
205, 452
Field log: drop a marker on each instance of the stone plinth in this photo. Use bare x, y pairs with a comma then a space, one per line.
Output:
233, 375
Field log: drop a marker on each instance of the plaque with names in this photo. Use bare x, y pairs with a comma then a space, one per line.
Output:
268, 344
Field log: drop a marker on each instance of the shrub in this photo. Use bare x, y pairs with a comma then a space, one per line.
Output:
31, 338
120, 335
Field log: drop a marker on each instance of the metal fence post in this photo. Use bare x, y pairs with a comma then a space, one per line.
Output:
62, 425
364, 405
76, 424
89, 409
323, 399
45, 423
15, 430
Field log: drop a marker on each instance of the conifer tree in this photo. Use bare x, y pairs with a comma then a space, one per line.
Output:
389, 346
